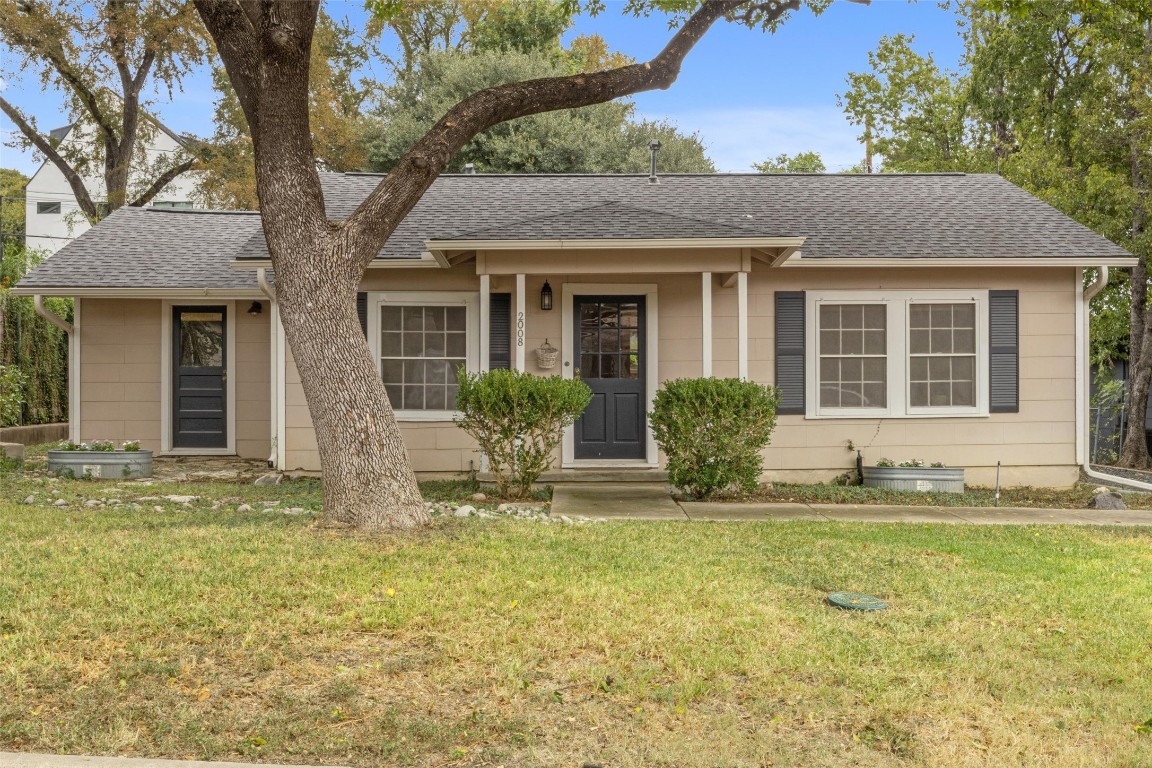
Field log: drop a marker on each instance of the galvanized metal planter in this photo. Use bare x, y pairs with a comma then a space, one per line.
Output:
940, 479
107, 465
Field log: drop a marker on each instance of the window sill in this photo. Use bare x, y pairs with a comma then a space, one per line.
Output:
886, 415
418, 416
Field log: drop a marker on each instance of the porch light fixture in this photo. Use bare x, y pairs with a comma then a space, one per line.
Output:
255, 309
546, 297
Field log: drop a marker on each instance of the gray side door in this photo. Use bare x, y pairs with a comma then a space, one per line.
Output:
199, 377
610, 358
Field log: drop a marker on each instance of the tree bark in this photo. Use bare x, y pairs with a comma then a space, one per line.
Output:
319, 263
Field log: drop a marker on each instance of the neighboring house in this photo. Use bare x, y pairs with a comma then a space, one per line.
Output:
52, 215
935, 316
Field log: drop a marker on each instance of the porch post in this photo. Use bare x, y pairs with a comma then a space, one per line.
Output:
706, 325
521, 314
742, 324
485, 309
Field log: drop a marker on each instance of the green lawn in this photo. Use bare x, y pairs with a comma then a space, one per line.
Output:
196, 632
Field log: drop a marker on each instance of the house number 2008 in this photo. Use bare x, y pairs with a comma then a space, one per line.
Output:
519, 329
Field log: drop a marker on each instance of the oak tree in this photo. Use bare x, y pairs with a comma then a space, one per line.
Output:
266, 49
102, 57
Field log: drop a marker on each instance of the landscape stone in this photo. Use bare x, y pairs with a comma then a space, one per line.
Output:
181, 499
272, 478
93, 503
244, 508
479, 497
30, 500
1107, 501
465, 511
61, 503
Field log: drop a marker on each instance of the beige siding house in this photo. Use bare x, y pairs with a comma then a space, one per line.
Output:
933, 316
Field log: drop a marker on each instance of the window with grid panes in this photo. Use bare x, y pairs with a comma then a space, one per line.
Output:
421, 350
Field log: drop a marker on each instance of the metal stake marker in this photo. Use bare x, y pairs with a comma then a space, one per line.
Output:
997, 483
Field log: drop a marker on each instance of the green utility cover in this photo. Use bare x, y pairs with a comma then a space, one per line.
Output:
854, 601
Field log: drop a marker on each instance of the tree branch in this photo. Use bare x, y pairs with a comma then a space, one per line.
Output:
162, 181
52, 49
397, 193
74, 180
236, 34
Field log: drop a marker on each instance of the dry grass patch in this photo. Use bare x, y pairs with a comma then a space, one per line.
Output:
205, 633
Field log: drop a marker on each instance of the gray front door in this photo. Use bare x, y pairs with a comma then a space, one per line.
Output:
610, 357
199, 377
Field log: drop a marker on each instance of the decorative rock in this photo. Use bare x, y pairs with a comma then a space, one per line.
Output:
158, 508
479, 497
30, 500
181, 499
465, 511
272, 478
295, 511
93, 503
60, 503
503, 508
244, 508
1107, 501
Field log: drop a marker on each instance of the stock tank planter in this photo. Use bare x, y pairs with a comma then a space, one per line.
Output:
107, 465
926, 479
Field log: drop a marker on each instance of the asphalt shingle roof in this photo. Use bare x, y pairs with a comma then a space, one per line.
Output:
912, 216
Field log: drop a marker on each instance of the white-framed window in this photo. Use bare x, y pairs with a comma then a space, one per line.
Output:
421, 340
895, 354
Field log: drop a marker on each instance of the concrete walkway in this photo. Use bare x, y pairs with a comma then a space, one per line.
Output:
30, 760
652, 501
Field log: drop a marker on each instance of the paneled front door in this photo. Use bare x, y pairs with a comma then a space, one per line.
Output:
199, 377
611, 360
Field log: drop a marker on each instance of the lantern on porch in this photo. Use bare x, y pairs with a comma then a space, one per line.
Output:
546, 297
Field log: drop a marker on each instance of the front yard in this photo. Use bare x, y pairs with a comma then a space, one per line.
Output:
198, 631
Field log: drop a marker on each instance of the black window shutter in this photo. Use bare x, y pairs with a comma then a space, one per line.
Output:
362, 311
499, 331
790, 352
1004, 351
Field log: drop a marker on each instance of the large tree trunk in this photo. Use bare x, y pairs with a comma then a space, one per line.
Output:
368, 480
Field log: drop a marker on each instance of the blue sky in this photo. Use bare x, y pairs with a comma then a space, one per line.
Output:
750, 95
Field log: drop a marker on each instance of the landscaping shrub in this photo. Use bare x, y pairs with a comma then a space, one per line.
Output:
712, 431
12, 381
518, 419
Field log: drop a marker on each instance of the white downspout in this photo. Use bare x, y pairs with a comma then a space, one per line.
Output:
1083, 324
52, 317
274, 357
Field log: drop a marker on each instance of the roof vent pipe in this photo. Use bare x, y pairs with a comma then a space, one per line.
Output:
470, 169
655, 147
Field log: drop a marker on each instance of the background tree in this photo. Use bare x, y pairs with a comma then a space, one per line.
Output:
336, 97
1057, 97
102, 57
601, 138
266, 49
801, 162
12, 205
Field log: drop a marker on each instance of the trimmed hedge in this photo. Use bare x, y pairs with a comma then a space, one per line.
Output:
518, 419
712, 431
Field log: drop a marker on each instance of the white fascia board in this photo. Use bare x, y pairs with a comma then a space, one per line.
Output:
990, 261
144, 293
614, 244
436, 259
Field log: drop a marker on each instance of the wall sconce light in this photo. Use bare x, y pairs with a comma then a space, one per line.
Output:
546, 296
255, 309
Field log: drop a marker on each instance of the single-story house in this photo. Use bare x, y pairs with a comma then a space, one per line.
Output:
932, 316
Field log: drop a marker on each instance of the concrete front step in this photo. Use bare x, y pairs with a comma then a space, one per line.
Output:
598, 475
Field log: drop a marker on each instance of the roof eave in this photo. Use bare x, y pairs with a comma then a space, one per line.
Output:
799, 260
